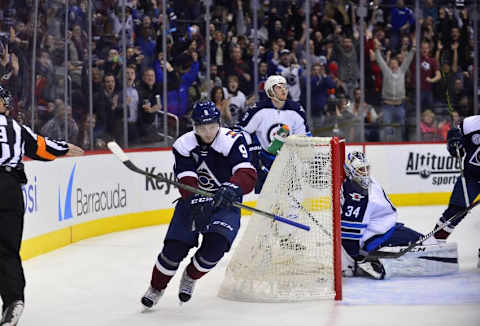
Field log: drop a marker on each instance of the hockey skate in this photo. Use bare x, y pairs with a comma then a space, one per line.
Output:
372, 269
12, 314
187, 285
151, 297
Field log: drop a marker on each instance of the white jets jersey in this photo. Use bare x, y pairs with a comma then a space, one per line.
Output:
264, 119
211, 164
364, 216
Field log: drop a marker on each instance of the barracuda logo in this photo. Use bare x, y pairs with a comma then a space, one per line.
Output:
67, 211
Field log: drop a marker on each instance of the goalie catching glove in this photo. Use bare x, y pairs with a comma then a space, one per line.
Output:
454, 141
226, 195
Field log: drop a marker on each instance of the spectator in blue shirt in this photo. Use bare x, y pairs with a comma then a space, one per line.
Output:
401, 20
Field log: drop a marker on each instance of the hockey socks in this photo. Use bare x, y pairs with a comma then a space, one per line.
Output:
205, 259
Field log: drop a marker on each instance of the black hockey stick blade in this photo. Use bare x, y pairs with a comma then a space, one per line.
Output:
383, 254
117, 150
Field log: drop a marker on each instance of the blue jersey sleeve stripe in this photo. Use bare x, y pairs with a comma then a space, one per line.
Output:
351, 236
354, 225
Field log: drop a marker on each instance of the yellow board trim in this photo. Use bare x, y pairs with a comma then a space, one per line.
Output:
420, 199
60, 238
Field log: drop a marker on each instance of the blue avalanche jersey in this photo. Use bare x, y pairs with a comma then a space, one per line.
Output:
211, 164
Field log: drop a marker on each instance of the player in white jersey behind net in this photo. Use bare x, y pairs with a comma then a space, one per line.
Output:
369, 222
268, 123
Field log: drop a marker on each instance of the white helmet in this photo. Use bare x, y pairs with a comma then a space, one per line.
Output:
357, 169
270, 84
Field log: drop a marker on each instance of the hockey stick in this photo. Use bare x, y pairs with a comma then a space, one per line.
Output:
317, 222
383, 254
462, 177
115, 149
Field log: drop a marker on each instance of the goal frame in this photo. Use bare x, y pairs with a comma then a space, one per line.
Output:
274, 263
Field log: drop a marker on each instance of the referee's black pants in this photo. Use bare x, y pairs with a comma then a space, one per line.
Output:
12, 279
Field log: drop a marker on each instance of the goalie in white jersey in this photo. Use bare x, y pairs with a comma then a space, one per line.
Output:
369, 222
264, 121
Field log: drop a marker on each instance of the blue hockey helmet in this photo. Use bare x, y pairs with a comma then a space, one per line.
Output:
357, 168
205, 112
7, 98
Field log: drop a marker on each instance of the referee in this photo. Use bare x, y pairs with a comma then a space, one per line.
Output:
15, 141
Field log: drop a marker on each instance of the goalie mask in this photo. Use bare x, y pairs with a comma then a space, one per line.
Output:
357, 169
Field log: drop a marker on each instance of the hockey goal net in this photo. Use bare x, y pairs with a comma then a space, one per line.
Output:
275, 262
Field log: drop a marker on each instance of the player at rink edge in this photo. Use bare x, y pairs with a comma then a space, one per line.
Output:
465, 137
369, 222
267, 124
217, 160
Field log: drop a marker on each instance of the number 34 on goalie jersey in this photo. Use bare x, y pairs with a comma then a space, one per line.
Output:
365, 215
353, 206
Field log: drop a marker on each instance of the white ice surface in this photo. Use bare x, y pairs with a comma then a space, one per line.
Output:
99, 281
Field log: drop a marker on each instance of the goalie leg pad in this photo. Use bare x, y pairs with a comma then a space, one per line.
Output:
430, 260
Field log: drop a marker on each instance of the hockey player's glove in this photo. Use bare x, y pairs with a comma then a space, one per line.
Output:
226, 195
454, 140
201, 206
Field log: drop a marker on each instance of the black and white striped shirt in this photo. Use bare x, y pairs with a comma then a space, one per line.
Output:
17, 140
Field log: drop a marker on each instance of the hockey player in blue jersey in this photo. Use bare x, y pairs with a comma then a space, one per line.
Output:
467, 139
214, 159
369, 222
266, 118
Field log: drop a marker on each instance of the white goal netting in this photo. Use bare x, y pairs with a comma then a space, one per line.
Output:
275, 262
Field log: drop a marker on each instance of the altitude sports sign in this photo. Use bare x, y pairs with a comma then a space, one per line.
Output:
413, 169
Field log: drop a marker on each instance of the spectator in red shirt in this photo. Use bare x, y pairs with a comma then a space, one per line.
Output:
429, 74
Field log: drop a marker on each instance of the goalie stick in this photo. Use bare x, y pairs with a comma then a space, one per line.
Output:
120, 154
382, 254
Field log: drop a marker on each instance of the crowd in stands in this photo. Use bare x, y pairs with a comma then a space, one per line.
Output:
446, 65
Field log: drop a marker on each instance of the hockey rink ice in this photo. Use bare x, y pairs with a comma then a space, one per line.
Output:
99, 281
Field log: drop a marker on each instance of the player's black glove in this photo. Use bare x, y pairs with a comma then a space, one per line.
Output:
454, 140
226, 195
201, 206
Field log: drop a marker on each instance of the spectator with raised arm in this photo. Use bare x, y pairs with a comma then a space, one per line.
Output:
393, 92
429, 75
